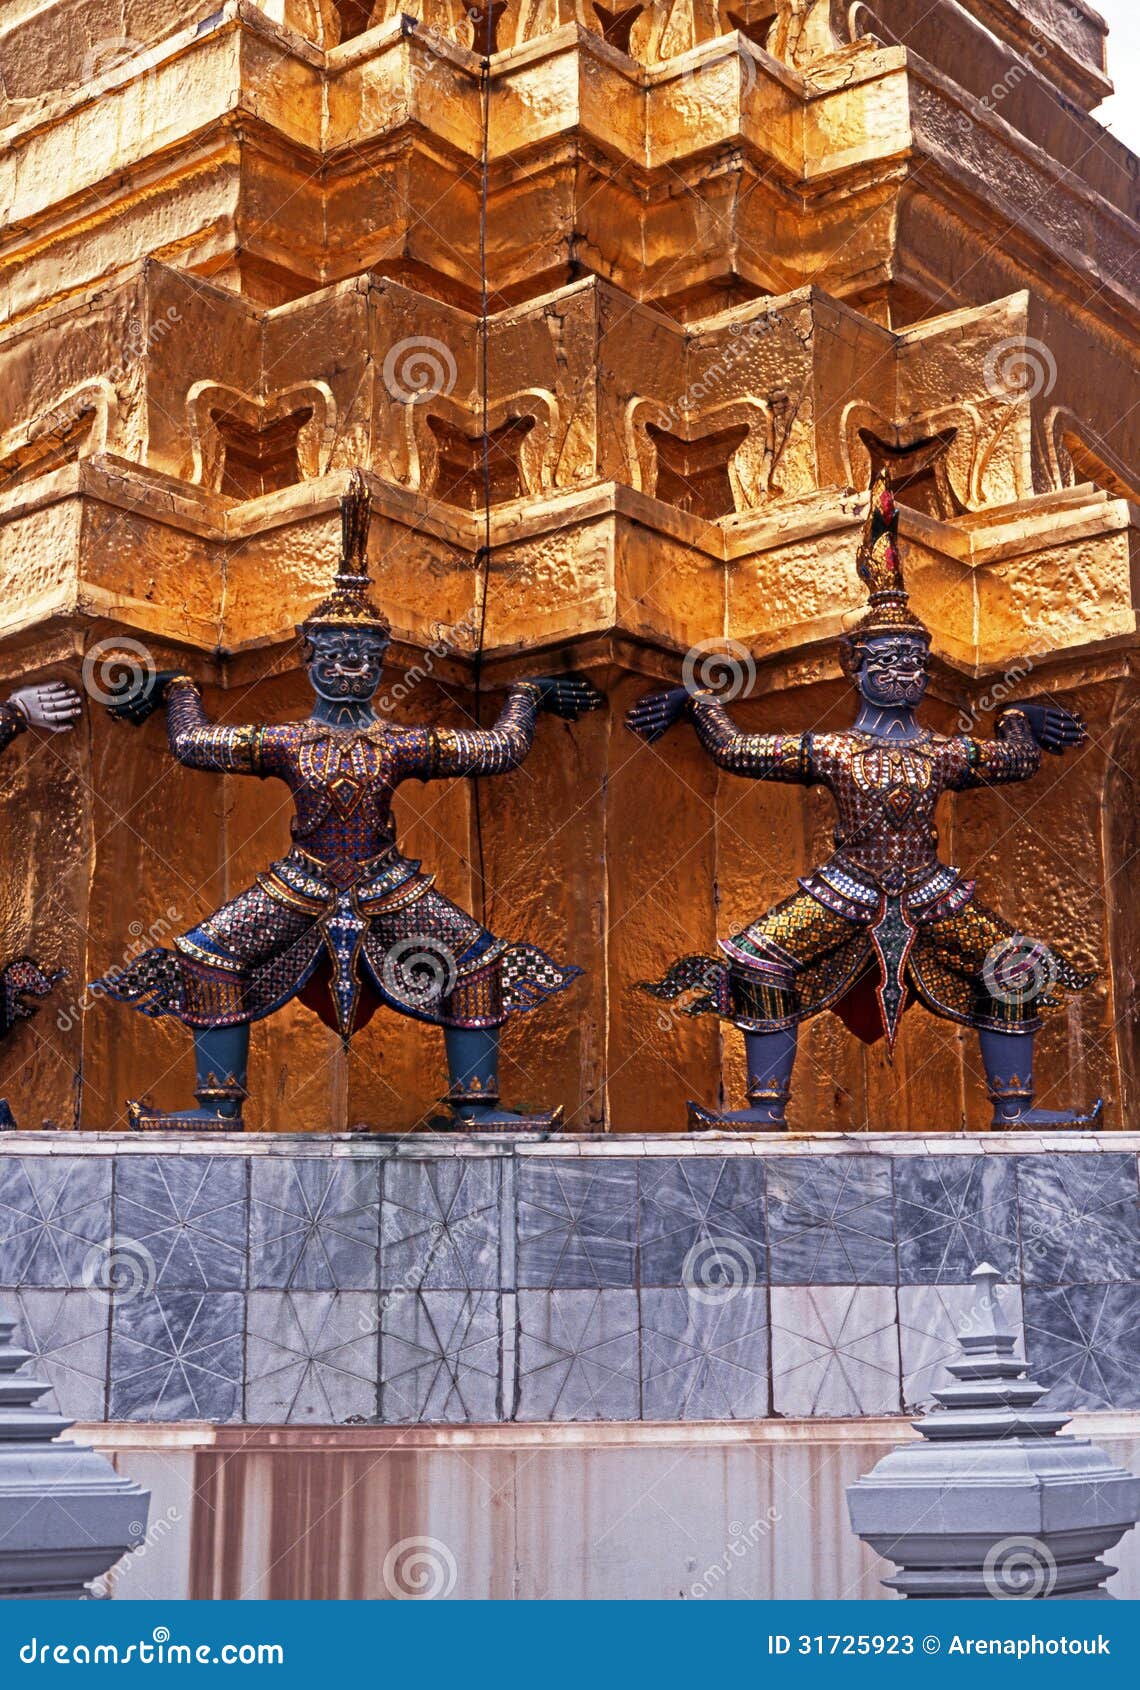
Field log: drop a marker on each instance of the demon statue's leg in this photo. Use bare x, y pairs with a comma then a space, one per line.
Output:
473, 1095
770, 1058
1008, 1061
221, 1062
19, 981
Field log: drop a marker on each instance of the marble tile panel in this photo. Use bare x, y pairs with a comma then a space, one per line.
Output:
704, 1359
835, 1351
831, 1221
578, 1355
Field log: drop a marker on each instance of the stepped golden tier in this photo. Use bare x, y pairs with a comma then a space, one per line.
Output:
736, 259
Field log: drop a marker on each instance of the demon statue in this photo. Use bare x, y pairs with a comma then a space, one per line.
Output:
55, 707
344, 922
883, 922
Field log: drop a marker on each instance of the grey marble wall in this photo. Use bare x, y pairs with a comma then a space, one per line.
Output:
295, 1279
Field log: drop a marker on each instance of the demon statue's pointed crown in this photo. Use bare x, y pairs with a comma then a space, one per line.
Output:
349, 606
880, 569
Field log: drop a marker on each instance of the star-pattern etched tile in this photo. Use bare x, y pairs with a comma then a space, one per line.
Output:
1083, 1342
311, 1357
831, 1220
55, 1212
952, 1214
315, 1223
66, 1331
834, 1351
704, 1359
177, 1355
1080, 1218
577, 1222
190, 1213
439, 1225
688, 1204
440, 1356
578, 1355
931, 1317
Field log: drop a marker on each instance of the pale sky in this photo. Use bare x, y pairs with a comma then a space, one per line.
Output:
1121, 114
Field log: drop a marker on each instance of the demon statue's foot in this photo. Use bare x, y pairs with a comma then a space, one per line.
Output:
1008, 1060
489, 1118
219, 1101
473, 1064
770, 1058
1025, 1120
145, 1118
761, 1119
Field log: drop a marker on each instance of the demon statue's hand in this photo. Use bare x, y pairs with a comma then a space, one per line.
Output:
568, 696
1054, 729
54, 706
655, 714
140, 696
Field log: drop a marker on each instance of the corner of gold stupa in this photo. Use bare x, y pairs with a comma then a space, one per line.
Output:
733, 257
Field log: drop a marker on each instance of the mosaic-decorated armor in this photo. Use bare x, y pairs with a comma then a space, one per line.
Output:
344, 921
884, 897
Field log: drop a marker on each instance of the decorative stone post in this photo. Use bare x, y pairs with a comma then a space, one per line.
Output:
992, 1502
65, 1515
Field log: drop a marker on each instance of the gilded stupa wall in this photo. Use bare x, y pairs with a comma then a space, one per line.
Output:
733, 255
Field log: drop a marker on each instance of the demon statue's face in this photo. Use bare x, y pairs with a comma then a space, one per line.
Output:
893, 669
345, 664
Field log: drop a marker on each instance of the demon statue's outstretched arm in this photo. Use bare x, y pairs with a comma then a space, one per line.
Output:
759, 756
11, 724
1022, 732
248, 748
56, 707
197, 742
237, 749
492, 751
52, 705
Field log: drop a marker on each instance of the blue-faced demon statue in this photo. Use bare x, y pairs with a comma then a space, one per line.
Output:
345, 923
883, 922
